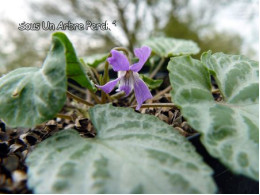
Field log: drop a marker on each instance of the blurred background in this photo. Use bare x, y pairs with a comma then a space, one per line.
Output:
230, 26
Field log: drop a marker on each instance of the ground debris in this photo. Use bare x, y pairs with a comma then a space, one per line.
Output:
15, 144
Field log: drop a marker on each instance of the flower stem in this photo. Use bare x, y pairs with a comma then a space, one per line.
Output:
64, 116
158, 95
97, 100
106, 75
79, 99
105, 79
108, 97
117, 95
103, 97
157, 68
123, 50
132, 99
77, 88
155, 105
82, 91
96, 75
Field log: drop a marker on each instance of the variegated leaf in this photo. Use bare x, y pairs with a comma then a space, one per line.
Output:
167, 47
132, 153
230, 127
30, 96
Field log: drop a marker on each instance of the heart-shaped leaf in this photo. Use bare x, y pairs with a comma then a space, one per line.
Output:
132, 153
29, 96
230, 127
167, 47
74, 69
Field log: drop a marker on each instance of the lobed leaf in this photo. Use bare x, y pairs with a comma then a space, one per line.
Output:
168, 47
132, 153
74, 69
30, 96
229, 128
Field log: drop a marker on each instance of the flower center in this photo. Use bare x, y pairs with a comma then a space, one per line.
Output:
128, 74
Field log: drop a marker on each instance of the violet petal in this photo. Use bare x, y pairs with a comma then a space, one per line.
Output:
118, 61
108, 87
126, 84
126, 88
143, 54
142, 92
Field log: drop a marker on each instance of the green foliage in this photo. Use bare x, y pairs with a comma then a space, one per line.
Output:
167, 47
30, 96
74, 68
151, 83
230, 127
132, 153
95, 60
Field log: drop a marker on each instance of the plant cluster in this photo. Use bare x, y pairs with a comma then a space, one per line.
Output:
134, 152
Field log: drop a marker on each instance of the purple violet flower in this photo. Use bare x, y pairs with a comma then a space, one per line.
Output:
128, 76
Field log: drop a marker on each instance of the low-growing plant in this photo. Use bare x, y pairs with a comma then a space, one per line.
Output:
136, 152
